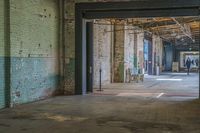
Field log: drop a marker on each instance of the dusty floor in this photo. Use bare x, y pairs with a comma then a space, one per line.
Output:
175, 86
119, 112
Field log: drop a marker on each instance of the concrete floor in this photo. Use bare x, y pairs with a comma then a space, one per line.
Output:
119, 112
168, 86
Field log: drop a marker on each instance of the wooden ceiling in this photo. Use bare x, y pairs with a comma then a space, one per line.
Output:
181, 31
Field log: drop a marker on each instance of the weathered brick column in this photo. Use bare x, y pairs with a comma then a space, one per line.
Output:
119, 54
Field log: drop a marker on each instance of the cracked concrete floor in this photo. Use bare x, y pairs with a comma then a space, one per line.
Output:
102, 113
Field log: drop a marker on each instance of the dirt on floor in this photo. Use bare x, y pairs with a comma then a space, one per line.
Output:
103, 114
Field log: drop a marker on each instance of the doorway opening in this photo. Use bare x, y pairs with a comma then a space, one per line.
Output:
149, 59
131, 60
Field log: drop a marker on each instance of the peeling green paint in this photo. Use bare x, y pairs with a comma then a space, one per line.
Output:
2, 57
2, 83
34, 39
29, 67
32, 79
34, 28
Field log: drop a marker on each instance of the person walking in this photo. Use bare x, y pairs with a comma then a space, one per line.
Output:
188, 65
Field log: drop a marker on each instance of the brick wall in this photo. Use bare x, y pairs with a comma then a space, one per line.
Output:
128, 51
34, 33
70, 47
69, 66
102, 52
119, 53
158, 51
140, 53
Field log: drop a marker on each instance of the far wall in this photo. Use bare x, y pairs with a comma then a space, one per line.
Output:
118, 49
193, 55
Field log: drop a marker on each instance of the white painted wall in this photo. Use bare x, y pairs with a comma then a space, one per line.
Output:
128, 50
102, 53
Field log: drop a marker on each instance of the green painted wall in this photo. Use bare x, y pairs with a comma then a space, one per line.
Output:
34, 38
34, 28
119, 53
2, 56
1, 28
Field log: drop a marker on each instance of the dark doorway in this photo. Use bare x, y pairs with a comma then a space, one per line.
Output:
168, 50
89, 43
148, 56
146, 52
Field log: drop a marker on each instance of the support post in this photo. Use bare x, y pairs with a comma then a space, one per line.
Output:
7, 63
100, 79
199, 54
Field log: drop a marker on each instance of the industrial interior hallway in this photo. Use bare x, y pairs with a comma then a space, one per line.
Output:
135, 108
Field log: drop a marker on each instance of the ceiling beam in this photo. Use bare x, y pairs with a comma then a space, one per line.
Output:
183, 29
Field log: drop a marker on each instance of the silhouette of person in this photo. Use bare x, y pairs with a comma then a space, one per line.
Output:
197, 62
188, 65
